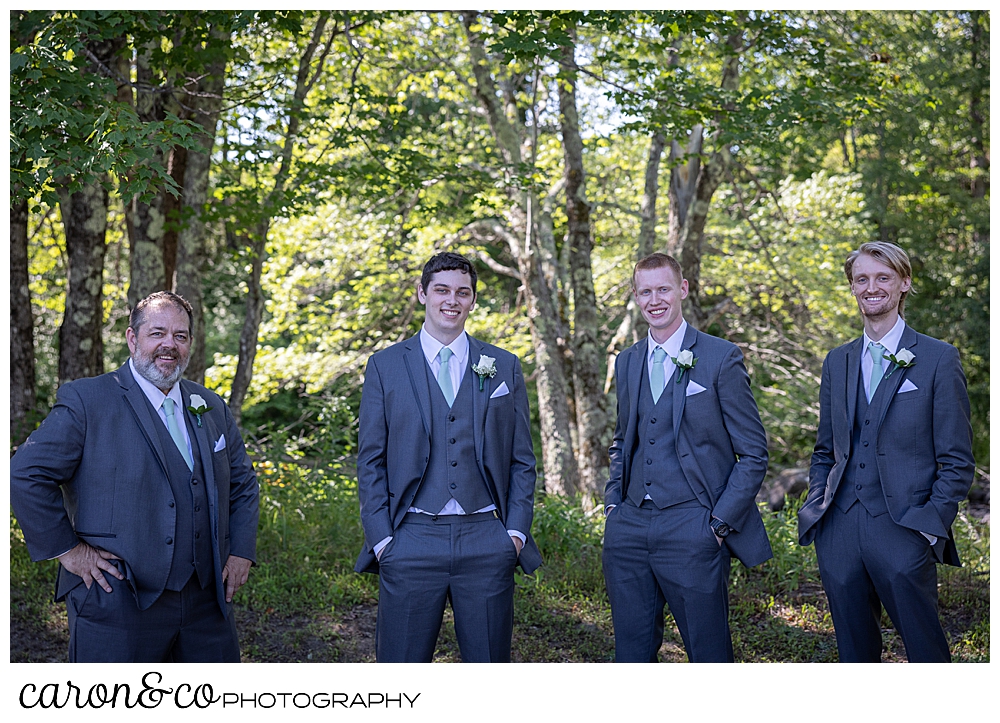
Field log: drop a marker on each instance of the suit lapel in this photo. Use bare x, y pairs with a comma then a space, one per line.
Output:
415, 362
853, 377
635, 368
680, 389
141, 407
887, 388
480, 399
204, 443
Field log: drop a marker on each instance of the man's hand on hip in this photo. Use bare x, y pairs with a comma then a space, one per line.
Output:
88, 563
235, 574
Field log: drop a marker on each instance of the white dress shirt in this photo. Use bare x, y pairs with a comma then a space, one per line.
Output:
891, 343
156, 397
672, 346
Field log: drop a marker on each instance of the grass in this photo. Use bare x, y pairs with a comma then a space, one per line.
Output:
304, 602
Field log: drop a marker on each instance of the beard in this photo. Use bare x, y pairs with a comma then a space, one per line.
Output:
146, 366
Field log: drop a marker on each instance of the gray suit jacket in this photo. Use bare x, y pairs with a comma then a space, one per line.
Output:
720, 440
923, 444
95, 471
394, 443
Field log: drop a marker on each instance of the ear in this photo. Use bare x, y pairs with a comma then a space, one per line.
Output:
421, 295
130, 338
684, 288
907, 282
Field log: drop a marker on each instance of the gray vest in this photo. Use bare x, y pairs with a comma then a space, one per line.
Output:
452, 470
192, 539
656, 469
861, 480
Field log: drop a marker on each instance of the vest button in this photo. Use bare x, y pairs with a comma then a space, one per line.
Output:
866, 422
197, 535
451, 417
649, 461
649, 484
653, 420
652, 441
453, 485
194, 482
170, 540
454, 464
452, 440
197, 509
170, 504
857, 487
862, 465
866, 444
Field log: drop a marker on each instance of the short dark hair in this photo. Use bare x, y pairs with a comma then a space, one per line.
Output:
448, 261
657, 260
138, 315
885, 253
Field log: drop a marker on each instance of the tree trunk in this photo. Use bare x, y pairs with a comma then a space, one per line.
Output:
85, 220
251, 324
591, 420
191, 257
146, 220
633, 326
558, 463
709, 177
22, 341
683, 185
980, 163
258, 240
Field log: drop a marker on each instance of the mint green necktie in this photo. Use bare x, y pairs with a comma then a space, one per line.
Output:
875, 349
175, 431
444, 375
656, 380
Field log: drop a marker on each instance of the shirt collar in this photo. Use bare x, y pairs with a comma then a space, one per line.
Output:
672, 345
153, 394
432, 347
891, 340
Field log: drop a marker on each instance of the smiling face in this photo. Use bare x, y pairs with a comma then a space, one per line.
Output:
161, 347
877, 288
448, 299
659, 293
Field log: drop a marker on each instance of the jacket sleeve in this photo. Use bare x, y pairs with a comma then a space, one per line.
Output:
373, 439
952, 438
746, 433
616, 452
48, 459
823, 453
244, 492
521, 491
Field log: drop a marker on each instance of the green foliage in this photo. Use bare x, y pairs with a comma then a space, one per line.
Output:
67, 125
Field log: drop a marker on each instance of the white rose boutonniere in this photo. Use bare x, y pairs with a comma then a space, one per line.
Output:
485, 368
902, 359
198, 407
685, 361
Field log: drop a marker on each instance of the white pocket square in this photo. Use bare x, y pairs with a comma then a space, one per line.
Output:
221, 444
907, 386
500, 391
693, 388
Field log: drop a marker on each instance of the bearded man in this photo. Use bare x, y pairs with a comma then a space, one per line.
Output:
138, 482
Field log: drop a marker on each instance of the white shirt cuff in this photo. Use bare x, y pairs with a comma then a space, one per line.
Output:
382, 543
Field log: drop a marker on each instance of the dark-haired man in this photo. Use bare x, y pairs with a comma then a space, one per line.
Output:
893, 459
139, 484
688, 457
446, 478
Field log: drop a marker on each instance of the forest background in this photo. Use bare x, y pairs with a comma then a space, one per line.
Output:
289, 173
